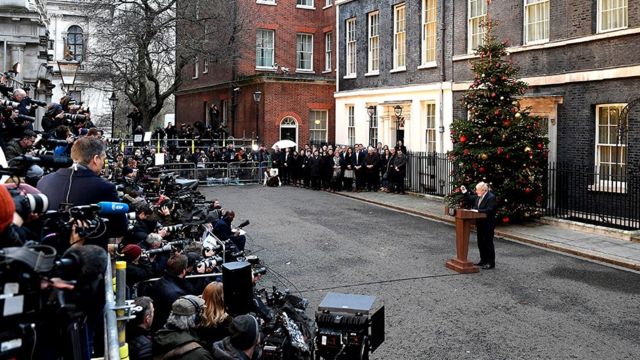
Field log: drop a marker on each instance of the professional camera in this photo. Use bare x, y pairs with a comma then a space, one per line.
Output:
168, 247
29, 204
208, 265
173, 228
75, 118
9, 103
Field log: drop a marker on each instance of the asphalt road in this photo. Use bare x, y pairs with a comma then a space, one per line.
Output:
535, 305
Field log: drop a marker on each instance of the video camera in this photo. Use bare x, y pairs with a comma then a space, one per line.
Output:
168, 247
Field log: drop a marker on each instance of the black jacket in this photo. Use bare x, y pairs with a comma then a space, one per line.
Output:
223, 350
181, 343
164, 292
140, 343
86, 188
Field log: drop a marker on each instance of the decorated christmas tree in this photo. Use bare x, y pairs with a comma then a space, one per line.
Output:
499, 143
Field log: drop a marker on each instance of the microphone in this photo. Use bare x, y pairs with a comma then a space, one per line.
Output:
86, 261
50, 161
110, 208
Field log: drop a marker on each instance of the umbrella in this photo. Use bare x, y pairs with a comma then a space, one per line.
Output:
282, 144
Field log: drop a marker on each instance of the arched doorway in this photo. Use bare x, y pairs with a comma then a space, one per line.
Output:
289, 129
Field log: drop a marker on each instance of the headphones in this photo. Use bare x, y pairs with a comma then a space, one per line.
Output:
198, 309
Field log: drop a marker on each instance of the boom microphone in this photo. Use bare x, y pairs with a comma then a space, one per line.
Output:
86, 261
110, 208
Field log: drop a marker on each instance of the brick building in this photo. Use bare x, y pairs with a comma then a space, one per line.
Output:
288, 57
581, 59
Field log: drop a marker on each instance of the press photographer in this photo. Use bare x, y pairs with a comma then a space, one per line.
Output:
22, 147
81, 184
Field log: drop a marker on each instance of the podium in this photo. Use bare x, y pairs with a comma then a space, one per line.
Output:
464, 219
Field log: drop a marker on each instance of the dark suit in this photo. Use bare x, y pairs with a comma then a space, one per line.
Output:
358, 160
485, 227
86, 188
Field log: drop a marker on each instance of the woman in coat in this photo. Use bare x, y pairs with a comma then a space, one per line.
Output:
399, 171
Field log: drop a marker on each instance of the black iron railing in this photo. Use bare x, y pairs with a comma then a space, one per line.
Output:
584, 193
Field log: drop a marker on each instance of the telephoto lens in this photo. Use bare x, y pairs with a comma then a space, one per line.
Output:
29, 203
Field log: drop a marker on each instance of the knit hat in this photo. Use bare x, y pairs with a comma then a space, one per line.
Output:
244, 332
131, 252
186, 305
7, 208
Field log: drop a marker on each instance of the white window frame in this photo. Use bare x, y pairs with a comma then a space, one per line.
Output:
351, 49
430, 132
540, 21
328, 46
196, 68
429, 31
374, 133
205, 65
266, 2
623, 6
474, 23
603, 183
328, 3
305, 4
373, 34
264, 48
304, 40
321, 129
351, 125
400, 37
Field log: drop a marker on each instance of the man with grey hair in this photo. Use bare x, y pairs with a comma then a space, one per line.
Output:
81, 184
485, 202
176, 340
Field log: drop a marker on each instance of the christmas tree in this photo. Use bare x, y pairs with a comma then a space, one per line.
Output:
499, 143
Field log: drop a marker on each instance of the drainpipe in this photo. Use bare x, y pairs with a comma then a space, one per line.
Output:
443, 76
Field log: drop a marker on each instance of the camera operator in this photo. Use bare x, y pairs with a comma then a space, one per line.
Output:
62, 132
137, 269
169, 288
22, 147
53, 117
81, 184
222, 230
144, 225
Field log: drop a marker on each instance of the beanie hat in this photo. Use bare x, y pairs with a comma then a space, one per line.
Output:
186, 305
244, 332
7, 208
131, 252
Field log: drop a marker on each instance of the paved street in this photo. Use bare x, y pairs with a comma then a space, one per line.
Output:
535, 305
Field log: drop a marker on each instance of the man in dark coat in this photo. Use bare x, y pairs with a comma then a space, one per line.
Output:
243, 342
222, 230
358, 166
372, 173
485, 202
315, 170
81, 184
168, 288
139, 335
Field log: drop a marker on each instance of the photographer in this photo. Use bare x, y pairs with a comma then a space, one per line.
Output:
144, 225
82, 185
222, 230
139, 335
20, 148
137, 269
53, 117
62, 132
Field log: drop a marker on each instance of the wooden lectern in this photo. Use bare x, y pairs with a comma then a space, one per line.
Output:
464, 219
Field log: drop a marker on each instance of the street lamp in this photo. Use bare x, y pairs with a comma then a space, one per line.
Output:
68, 71
257, 95
371, 111
398, 111
113, 101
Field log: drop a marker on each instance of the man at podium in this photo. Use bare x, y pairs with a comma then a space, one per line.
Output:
484, 201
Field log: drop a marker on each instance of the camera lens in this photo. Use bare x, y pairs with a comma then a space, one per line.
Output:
38, 203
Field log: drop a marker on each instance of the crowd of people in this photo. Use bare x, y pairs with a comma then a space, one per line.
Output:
343, 168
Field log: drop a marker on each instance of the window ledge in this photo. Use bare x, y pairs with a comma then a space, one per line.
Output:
536, 42
194, 78
266, 3
429, 65
611, 30
266, 68
305, 7
305, 71
352, 76
609, 187
397, 70
326, 71
373, 73
326, 7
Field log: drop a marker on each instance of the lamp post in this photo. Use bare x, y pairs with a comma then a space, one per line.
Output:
257, 95
371, 111
398, 111
113, 101
68, 71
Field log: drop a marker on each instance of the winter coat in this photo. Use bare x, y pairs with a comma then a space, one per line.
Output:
223, 350
140, 343
178, 344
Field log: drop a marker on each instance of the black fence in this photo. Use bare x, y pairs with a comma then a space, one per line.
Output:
581, 193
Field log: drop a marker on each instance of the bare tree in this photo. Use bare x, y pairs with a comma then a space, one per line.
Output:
139, 53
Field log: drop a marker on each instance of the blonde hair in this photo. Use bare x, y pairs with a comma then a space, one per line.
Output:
214, 313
